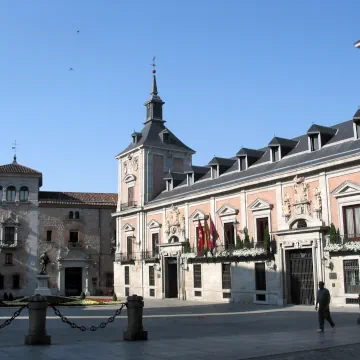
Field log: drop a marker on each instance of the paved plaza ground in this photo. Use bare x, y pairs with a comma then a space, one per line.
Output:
191, 330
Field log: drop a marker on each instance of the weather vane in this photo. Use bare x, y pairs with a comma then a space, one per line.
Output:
14, 146
153, 65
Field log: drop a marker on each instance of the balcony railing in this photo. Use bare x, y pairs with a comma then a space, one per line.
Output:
5, 244
126, 256
149, 254
341, 239
128, 205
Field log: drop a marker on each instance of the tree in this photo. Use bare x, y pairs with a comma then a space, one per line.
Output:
239, 242
267, 240
332, 234
187, 247
247, 243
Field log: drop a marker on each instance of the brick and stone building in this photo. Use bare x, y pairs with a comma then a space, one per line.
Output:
75, 229
272, 207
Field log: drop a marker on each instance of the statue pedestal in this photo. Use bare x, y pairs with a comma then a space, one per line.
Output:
42, 287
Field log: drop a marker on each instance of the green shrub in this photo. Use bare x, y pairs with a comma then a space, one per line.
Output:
187, 248
267, 240
114, 297
247, 243
239, 243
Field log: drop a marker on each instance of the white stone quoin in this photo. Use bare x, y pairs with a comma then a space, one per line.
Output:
42, 286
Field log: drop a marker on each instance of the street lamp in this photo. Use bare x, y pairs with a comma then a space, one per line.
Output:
357, 44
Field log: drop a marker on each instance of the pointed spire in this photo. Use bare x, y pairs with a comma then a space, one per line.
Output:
154, 86
14, 161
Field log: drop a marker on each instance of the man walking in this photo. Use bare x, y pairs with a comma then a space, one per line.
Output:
323, 300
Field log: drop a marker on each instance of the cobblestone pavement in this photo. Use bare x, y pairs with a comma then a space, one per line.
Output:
190, 330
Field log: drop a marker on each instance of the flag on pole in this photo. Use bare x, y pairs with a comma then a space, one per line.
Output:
213, 234
200, 238
207, 244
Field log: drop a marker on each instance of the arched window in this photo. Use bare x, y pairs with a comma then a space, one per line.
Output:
10, 193
71, 215
24, 193
77, 215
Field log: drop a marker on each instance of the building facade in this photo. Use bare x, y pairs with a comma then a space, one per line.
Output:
75, 229
287, 216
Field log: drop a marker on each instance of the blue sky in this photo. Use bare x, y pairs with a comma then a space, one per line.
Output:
232, 73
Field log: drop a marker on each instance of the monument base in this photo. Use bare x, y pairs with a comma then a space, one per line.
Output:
42, 287
37, 340
135, 336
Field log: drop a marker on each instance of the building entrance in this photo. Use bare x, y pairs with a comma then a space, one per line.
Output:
301, 277
171, 286
73, 281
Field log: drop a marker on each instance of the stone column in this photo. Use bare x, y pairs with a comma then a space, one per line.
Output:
37, 322
61, 280
86, 278
135, 330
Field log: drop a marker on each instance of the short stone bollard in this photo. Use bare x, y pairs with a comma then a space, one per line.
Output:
37, 322
135, 330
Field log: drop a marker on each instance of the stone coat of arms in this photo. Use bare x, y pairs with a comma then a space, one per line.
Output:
175, 223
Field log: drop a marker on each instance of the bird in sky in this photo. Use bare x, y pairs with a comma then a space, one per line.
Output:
71, 69
78, 32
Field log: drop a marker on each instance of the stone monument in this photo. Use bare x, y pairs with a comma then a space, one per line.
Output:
43, 277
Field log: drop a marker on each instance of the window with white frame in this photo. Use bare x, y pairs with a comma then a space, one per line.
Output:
151, 276
261, 211
275, 153
197, 276
352, 222
155, 243
351, 276
314, 142
9, 235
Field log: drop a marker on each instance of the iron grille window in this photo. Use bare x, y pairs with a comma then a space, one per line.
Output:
226, 276
351, 276
16, 281
152, 292
48, 235
8, 259
127, 291
197, 276
151, 276
155, 243
197, 293
127, 276
260, 276
9, 235
226, 295
109, 280
1, 281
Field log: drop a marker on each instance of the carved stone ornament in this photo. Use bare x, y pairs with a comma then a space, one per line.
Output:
317, 202
302, 203
131, 164
286, 208
175, 223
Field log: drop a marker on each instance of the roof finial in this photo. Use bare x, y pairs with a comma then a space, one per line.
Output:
153, 65
14, 147
154, 86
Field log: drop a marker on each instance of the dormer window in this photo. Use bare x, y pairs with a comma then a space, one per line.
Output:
275, 153
190, 179
169, 186
214, 171
136, 137
166, 137
314, 142
242, 163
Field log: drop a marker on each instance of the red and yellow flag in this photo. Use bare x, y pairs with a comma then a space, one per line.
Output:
200, 238
213, 234
207, 244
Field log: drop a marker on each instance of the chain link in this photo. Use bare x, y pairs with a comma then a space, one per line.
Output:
16, 314
73, 325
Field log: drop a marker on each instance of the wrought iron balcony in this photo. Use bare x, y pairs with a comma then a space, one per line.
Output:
128, 205
342, 239
5, 244
123, 257
149, 254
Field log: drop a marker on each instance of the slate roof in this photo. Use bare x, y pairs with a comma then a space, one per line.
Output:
297, 158
250, 152
221, 161
322, 130
175, 176
77, 198
282, 142
150, 136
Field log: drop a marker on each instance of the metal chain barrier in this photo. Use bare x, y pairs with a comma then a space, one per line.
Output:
102, 325
16, 314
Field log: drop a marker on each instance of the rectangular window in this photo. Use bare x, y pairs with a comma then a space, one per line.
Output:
151, 276
1, 281
275, 153
262, 226
214, 171
351, 276
314, 140
260, 276
109, 280
16, 281
229, 236
152, 292
129, 241
197, 293
226, 276
74, 237
127, 275
9, 235
8, 259
127, 291
352, 222
178, 165
48, 235
131, 196
155, 243
242, 163
197, 276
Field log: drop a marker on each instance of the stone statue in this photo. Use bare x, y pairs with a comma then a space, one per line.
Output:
44, 261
